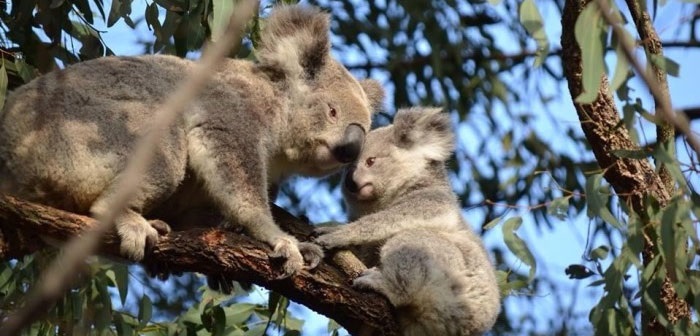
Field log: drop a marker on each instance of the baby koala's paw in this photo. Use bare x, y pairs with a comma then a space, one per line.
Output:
312, 253
326, 227
370, 278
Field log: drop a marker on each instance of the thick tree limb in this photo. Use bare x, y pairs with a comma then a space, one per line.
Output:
633, 180
676, 308
209, 251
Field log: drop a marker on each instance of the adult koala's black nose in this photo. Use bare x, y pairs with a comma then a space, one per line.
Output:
349, 184
349, 148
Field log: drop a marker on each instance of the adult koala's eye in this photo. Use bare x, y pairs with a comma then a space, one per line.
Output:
332, 112
370, 161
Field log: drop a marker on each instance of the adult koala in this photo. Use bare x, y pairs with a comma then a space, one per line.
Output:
66, 136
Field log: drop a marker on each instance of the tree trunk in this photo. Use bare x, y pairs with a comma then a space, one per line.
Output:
633, 180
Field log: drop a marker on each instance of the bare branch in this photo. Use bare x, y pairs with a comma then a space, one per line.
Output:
211, 251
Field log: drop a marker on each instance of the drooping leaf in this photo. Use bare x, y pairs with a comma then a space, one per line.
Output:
589, 35
239, 313
219, 17
114, 13
531, 19
492, 223
597, 202
559, 207
671, 67
516, 245
622, 68
145, 310
599, 253
638, 154
664, 153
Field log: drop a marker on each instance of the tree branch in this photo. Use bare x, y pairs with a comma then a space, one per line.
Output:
209, 251
633, 180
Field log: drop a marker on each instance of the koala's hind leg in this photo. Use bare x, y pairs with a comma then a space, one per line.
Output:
235, 175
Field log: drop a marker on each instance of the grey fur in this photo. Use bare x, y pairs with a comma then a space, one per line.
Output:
430, 265
65, 137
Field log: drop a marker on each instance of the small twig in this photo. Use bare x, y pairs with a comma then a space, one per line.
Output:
56, 279
680, 121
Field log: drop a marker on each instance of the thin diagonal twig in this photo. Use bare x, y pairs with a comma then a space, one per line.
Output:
56, 279
679, 120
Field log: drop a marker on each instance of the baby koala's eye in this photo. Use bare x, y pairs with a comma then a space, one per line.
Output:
370, 161
332, 112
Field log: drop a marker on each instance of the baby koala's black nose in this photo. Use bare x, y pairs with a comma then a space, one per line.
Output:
349, 148
349, 184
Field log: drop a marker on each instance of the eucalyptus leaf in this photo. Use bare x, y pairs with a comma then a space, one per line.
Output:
531, 19
220, 16
516, 245
589, 35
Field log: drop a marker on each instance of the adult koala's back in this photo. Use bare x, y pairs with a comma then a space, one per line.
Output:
66, 136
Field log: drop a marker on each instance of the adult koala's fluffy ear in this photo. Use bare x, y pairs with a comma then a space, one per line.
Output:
375, 94
295, 40
425, 130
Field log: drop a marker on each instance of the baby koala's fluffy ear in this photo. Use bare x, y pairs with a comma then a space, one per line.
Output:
295, 40
375, 94
425, 129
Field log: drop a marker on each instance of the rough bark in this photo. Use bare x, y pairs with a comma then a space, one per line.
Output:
210, 251
677, 308
633, 180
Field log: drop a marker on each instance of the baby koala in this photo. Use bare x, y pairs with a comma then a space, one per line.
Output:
431, 266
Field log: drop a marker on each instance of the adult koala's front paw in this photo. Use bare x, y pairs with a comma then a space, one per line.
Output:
134, 239
287, 249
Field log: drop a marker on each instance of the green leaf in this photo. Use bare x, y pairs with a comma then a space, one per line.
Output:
293, 324
589, 35
121, 277
333, 325
84, 8
256, 330
517, 245
597, 202
622, 68
531, 19
3, 84
152, 21
219, 317
664, 63
559, 207
599, 253
220, 16
145, 311
492, 223
638, 154
664, 153
238, 313
114, 13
